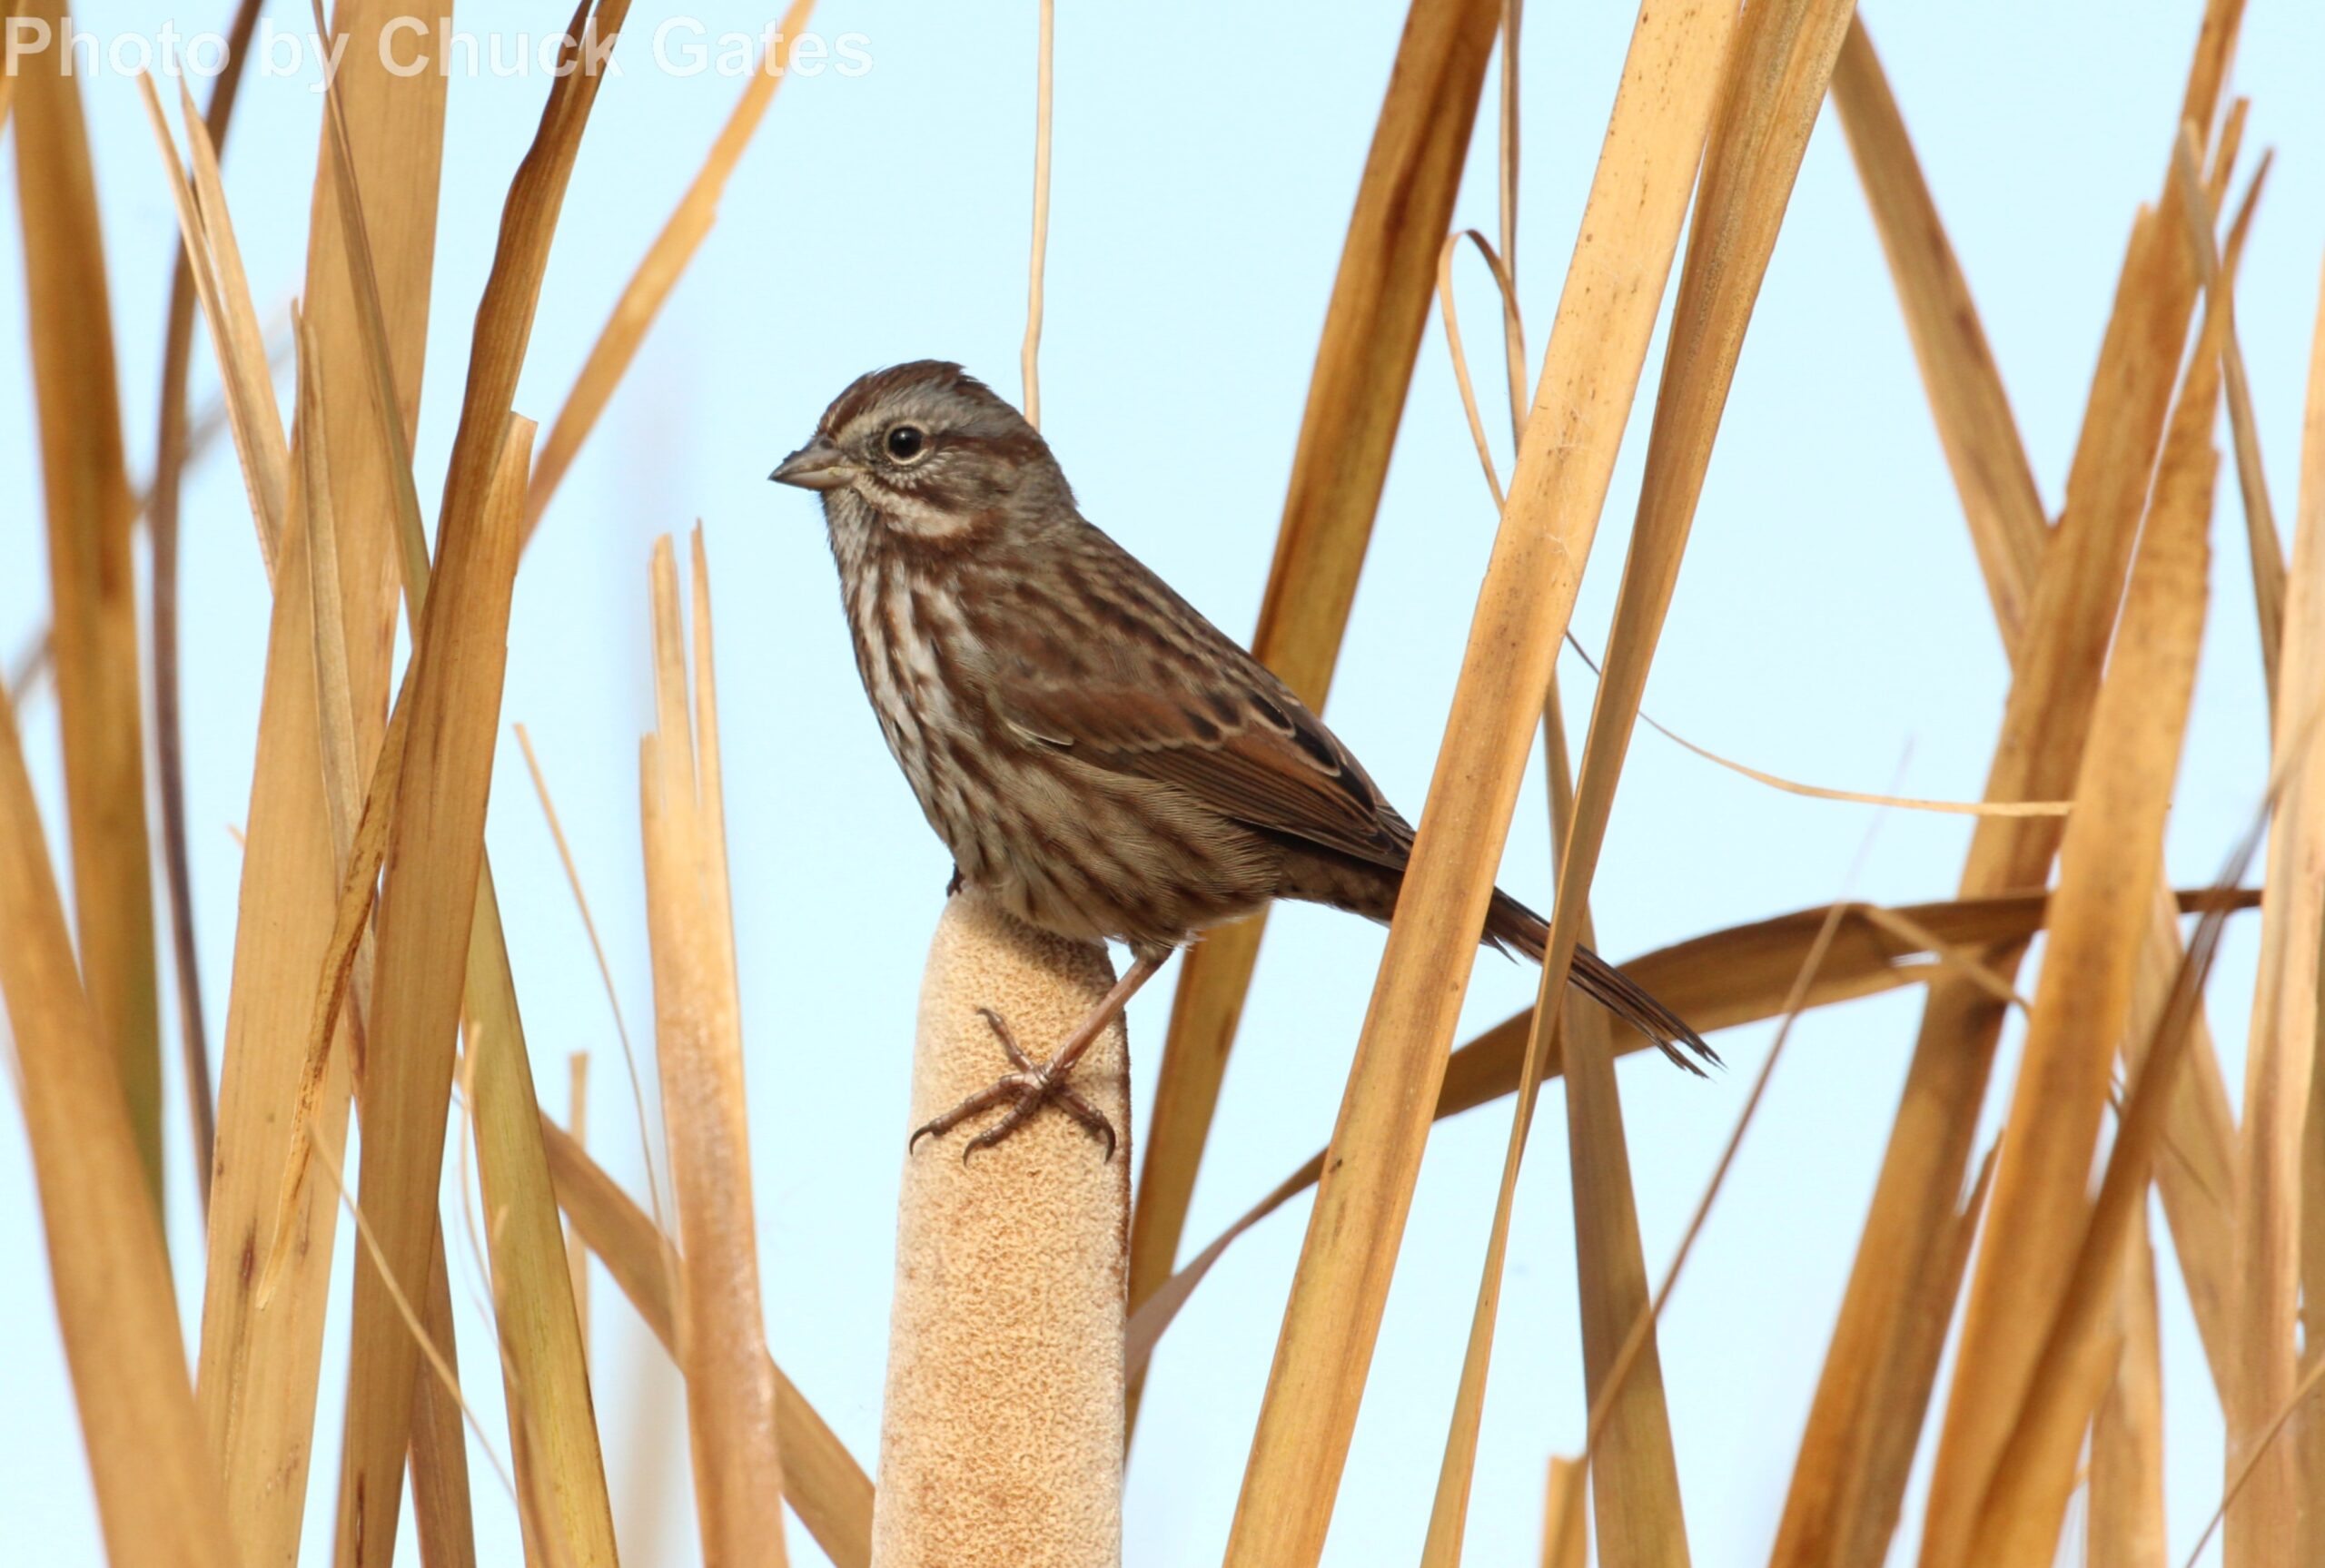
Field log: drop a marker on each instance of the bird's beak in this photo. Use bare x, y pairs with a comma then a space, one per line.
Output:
817, 466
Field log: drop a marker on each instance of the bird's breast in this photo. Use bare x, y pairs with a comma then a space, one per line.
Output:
914, 652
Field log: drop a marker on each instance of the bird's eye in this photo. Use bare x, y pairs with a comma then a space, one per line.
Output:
907, 444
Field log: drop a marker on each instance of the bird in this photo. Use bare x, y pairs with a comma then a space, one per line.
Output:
1102, 761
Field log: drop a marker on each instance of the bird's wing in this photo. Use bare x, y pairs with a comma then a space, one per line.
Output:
1183, 705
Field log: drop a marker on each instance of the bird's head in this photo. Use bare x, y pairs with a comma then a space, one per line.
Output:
927, 451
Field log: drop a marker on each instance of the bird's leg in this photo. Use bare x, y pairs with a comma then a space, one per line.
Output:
1033, 1084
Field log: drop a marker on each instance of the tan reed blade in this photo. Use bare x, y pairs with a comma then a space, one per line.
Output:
2216, 268
301, 522
731, 1393
821, 1479
173, 447
93, 579
2053, 1428
1848, 1483
1566, 1515
2112, 854
2019, 1518
665, 262
1590, 372
1966, 398
1356, 398
260, 1365
156, 1488
428, 897
1778, 65
1029, 356
605, 971
2126, 1525
577, 1126
2280, 1233
2308, 557
1720, 981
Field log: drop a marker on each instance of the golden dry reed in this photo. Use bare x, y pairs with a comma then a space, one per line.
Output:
1356, 400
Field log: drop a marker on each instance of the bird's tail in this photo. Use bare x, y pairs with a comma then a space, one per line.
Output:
1510, 924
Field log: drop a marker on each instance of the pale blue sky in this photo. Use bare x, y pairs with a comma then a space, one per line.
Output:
1206, 159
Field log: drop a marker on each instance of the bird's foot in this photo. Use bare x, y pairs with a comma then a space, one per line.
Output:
1024, 1092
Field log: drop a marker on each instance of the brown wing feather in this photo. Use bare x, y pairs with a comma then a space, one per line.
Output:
1192, 710
1179, 704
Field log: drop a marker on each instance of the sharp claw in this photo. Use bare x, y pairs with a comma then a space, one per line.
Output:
1031, 1085
1093, 1121
1001, 1030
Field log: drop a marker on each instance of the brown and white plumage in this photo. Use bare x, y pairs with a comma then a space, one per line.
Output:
1100, 758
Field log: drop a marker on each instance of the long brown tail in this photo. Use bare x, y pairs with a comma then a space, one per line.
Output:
1510, 924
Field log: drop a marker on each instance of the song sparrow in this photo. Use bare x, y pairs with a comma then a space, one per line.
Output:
1101, 759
